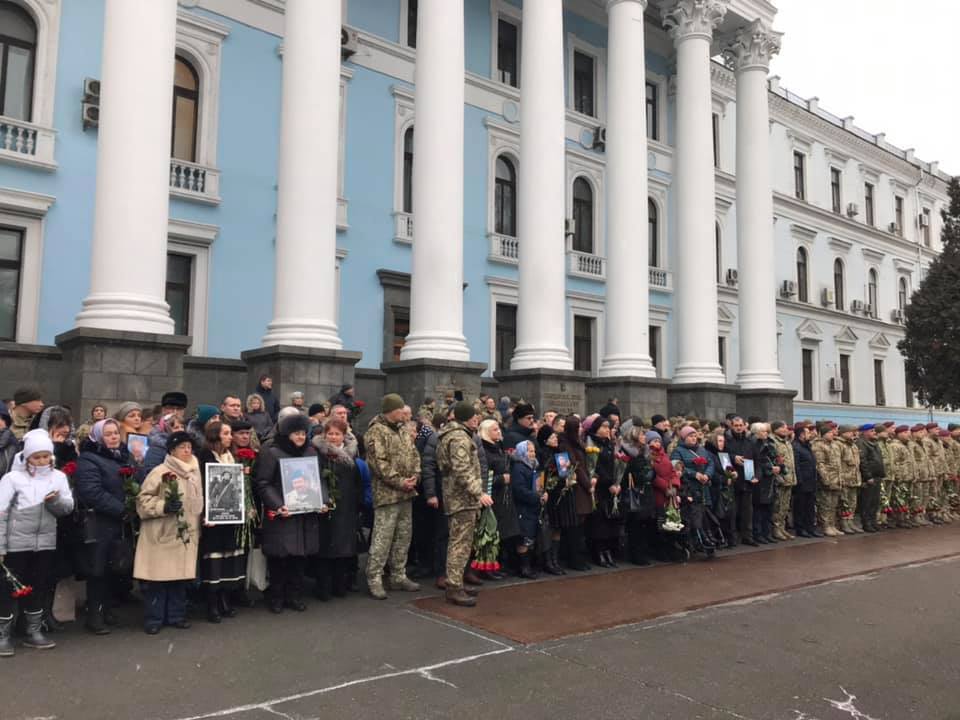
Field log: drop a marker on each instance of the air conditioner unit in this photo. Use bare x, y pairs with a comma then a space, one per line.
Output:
349, 42
788, 289
892, 227
91, 90
924, 220
91, 115
569, 227
857, 306
599, 138
90, 105
868, 310
898, 316
733, 277
853, 210
827, 298
836, 385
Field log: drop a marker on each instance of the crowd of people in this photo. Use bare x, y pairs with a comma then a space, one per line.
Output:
466, 492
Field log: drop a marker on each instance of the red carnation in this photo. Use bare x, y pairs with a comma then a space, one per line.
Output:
623, 457
126, 471
272, 514
359, 404
22, 592
69, 469
246, 454
700, 461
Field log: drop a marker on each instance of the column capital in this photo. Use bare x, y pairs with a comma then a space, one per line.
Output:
686, 19
752, 47
611, 3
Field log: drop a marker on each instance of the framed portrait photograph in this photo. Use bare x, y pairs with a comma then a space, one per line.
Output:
748, 470
562, 460
138, 446
725, 460
303, 490
223, 494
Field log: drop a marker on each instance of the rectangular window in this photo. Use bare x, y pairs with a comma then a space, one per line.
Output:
807, 374
908, 386
878, 393
179, 291
411, 23
653, 107
584, 84
716, 140
845, 378
722, 353
868, 202
898, 214
925, 226
654, 337
508, 57
835, 189
11, 259
506, 335
583, 343
799, 175
401, 328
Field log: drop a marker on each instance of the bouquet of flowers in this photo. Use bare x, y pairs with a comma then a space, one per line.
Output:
19, 589
172, 493
901, 498
131, 488
486, 543
886, 506
333, 489
69, 469
672, 521
247, 457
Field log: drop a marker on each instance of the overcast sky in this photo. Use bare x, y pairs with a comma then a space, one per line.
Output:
892, 64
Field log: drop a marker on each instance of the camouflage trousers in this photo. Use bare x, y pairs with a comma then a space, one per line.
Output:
933, 496
886, 501
921, 493
461, 528
392, 532
827, 501
848, 502
781, 507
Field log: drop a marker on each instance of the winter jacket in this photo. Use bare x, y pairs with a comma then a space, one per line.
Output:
606, 474
270, 403
581, 491
99, 485
296, 535
871, 460
27, 522
664, 476
744, 446
165, 553
849, 463
516, 434
526, 497
431, 482
457, 459
392, 458
498, 463
690, 487
718, 479
828, 455
8, 449
806, 467
156, 452
338, 528
788, 473
262, 423
764, 461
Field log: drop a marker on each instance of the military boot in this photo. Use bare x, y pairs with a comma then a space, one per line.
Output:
856, 525
376, 590
404, 584
921, 520
779, 534
831, 531
845, 527
34, 632
456, 596
6, 635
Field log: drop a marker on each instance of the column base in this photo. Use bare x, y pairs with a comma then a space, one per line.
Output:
699, 374
546, 388
708, 401
760, 380
767, 403
113, 366
435, 346
317, 373
305, 333
636, 396
433, 378
126, 312
556, 359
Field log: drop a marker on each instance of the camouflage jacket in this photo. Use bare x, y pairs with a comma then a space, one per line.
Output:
392, 457
21, 425
886, 450
785, 450
952, 448
850, 464
458, 461
828, 456
936, 458
904, 464
921, 461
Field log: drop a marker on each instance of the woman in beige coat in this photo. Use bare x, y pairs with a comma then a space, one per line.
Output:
166, 558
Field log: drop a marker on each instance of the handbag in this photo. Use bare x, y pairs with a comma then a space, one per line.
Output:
638, 501
257, 570
120, 554
87, 520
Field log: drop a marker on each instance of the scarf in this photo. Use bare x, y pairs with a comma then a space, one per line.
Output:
521, 456
184, 470
337, 454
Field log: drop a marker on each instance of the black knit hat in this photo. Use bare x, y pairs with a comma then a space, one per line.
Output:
657, 419
523, 410
314, 409
294, 423
178, 438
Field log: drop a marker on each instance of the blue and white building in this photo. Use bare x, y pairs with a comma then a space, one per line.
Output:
610, 186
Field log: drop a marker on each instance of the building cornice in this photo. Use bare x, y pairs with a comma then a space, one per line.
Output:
811, 311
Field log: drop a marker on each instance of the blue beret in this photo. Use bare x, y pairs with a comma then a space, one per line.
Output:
867, 426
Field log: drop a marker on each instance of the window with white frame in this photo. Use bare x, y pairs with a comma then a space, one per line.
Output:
186, 102
585, 77
505, 43
407, 178
408, 23
505, 197
653, 233
872, 297
925, 225
836, 199
718, 241
29, 41
582, 216
188, 278
653, 111
404, 142
839, 285
655, 333
808, 370
903, 294
22, 217
584, 329
715, 125
799, 175
585, 201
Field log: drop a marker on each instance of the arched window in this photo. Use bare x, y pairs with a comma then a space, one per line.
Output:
408, 170
802, 275
186, 102
872, 292
505, 198
838, 284
719, 250
582, 216
18, 52
902, 296
653, 233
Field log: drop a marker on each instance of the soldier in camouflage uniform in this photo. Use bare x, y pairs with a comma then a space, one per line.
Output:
872, 475
953, 448
905, 470
785, 480
463, 496
885, 516
395, 468
828, 454
937, 465
922, 484
849, 480
945, 462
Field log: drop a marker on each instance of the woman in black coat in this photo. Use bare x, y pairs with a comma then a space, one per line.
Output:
640, 521
605, 521
804, 494
498, 463
288, 540
527, 499
99, 481
764, 492
335, 561
574, 503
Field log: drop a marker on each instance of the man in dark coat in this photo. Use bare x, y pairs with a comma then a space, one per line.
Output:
522, 427
873, 473
264, 389
741, 447
804, 493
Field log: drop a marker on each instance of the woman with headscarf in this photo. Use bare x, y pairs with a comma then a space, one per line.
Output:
550, 535
169, 504
666, 484
637, 483
695, 477
604, 523
578, 488
101, 475
288, 540
528, 498
498, 464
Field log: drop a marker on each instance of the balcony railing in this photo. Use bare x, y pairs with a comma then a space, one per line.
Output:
661, 279
587, 265
403, 227
504, 248
194, 182
26, 143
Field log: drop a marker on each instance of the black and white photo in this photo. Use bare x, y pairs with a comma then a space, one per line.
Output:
223, 494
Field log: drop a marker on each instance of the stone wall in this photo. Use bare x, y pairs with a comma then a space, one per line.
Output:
30, 365
208, 380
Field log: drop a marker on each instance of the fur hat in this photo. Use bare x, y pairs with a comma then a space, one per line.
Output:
523, 410
294, 423
178, 438
174, 399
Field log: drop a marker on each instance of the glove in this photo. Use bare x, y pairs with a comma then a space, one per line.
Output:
172, 507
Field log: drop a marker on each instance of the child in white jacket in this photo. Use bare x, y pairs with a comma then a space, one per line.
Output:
32, 496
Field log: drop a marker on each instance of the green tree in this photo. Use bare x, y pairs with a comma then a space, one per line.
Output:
932, 343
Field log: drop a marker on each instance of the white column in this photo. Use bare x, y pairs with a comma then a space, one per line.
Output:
691, 24
436, 287
305, 288
750, 56
129, 254
627, 299
541, 312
